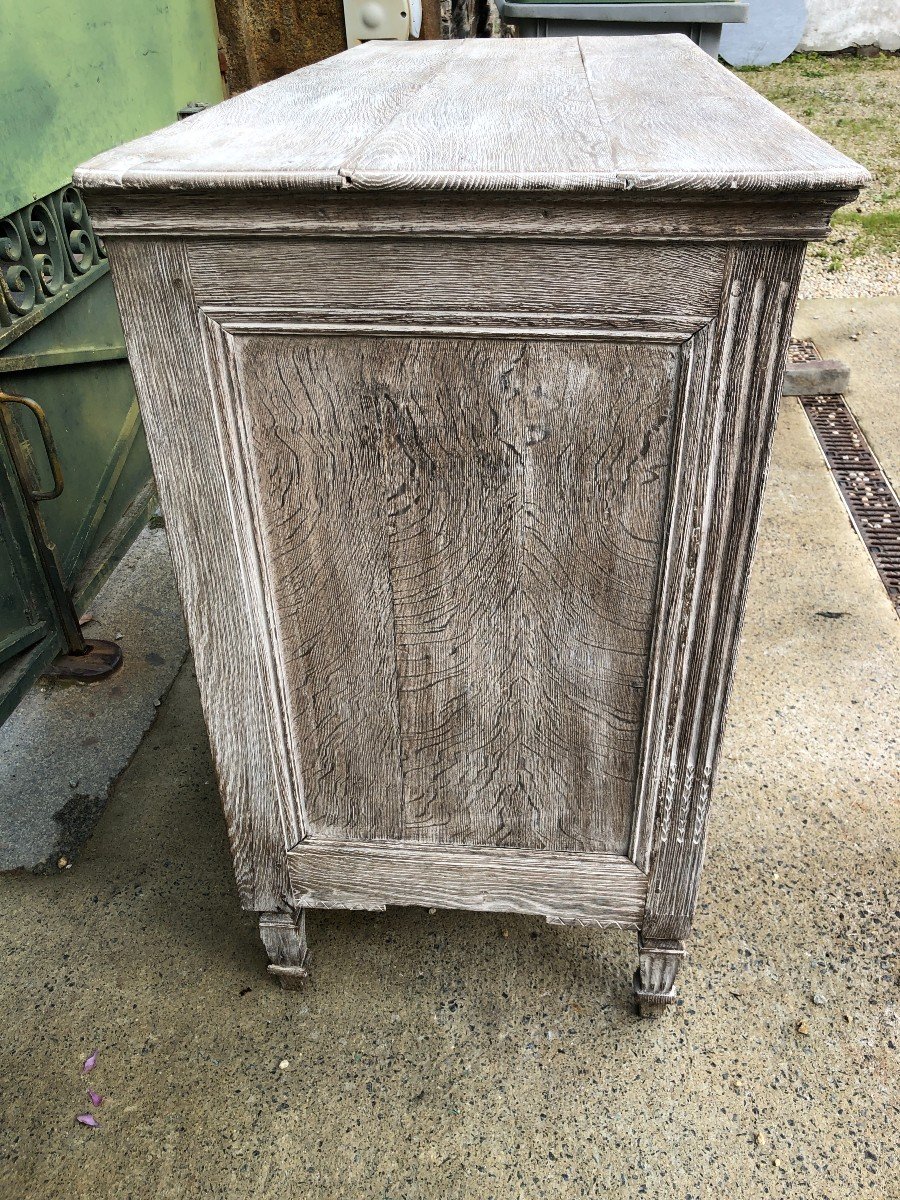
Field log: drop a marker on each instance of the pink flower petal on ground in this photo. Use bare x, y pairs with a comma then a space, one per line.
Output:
96, 1100
90, 1062
87, 1119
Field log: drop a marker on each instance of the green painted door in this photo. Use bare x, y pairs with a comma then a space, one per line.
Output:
75, 79
26, 619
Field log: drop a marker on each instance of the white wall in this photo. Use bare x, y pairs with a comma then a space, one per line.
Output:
837, 24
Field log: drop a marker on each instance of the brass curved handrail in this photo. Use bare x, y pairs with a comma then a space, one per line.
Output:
49, 444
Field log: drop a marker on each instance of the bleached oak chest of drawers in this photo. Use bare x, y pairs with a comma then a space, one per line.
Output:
459, 364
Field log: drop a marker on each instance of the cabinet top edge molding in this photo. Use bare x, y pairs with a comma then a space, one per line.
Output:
596, 115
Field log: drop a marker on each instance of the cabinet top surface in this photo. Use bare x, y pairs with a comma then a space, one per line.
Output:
594, 114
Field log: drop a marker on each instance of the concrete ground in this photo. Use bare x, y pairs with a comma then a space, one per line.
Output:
66, 743
865, 334
451, 1055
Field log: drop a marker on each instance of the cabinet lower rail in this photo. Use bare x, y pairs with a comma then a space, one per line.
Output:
566, 888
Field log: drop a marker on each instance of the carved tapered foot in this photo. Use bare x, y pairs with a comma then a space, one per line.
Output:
654, 980
284, 936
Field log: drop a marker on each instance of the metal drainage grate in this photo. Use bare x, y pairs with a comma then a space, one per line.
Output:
871, 501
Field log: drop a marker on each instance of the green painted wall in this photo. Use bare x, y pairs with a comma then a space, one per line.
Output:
80, 76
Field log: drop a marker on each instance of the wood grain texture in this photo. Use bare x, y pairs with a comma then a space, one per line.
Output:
296, 131
721, 465
606, 114
659, 328
632, 216
284, 936
319, 276
524, 119
595, 889
462, 489
462, 539
314, 452
163, 343
415, 420
664, 100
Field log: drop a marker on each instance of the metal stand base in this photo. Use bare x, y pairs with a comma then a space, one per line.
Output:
101, 659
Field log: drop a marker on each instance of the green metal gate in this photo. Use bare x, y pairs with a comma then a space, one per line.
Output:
76, 79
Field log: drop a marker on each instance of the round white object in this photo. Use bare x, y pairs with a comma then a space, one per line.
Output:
371, 14
772, 31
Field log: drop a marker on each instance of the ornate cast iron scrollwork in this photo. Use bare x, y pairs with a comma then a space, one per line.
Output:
43, 247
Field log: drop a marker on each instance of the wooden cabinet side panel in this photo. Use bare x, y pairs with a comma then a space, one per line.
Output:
501, 278
721, 463
576, 889
160, 320
462, 540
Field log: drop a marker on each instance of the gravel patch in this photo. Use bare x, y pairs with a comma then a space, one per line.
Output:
853, 103
869, 275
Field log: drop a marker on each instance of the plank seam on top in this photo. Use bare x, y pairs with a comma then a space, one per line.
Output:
132, 166
514, 91
601, 124
343, 176
345, 172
